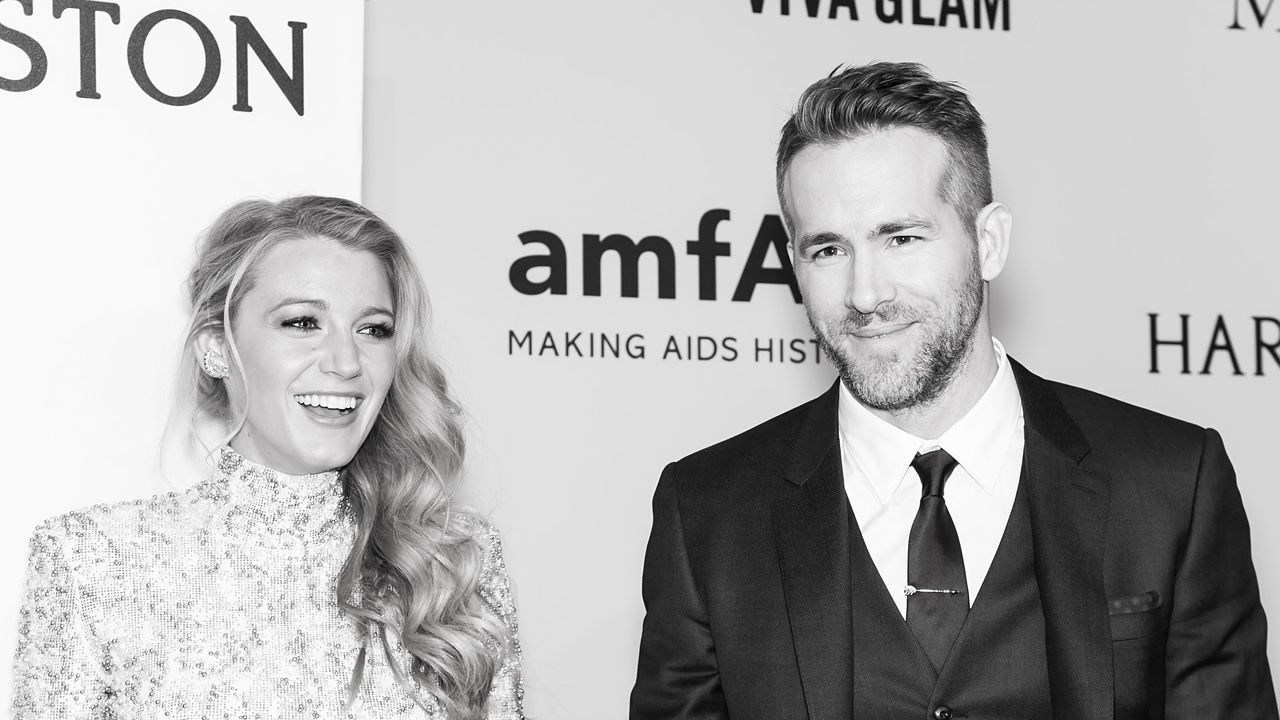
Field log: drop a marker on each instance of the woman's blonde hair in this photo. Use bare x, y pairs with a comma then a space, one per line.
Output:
415, 565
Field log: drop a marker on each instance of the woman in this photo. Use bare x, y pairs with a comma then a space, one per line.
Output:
323, 570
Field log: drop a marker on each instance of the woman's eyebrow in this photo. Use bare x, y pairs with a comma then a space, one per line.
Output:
316, 303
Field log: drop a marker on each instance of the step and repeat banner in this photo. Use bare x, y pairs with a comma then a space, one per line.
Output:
127, 127
589, 188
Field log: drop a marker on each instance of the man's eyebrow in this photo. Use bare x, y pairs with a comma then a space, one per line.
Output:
893, 227
890, 227
809, 240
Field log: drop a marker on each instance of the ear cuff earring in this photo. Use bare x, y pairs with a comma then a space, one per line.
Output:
214, 366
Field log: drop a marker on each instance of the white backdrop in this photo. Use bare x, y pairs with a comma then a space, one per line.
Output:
1135, 143
102, 200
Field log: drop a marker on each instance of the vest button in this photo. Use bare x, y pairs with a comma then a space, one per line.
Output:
943, 713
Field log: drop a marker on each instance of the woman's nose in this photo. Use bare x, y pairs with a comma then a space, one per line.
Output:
340, 356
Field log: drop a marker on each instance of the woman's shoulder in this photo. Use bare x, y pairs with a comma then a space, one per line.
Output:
495, 583
486, 535
479, 528
95, 528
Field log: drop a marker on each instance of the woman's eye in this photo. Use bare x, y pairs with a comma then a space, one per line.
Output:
301, 323
378, 330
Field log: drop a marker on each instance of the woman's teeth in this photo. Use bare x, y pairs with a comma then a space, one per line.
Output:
344, 403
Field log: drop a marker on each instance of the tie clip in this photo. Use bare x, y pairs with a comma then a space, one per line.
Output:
912, 590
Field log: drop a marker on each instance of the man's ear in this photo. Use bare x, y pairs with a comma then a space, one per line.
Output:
993, 227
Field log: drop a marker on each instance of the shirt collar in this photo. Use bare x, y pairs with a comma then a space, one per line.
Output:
977, 441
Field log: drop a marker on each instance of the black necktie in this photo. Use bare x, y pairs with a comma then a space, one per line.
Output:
937, 594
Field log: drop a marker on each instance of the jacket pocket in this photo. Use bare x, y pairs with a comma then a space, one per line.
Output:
1137, 651
1135, 616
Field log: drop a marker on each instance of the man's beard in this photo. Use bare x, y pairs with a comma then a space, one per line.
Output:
896, 383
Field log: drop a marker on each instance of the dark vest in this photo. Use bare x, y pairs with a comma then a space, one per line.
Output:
997, 668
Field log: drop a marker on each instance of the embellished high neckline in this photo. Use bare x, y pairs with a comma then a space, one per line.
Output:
250, 473
265, 505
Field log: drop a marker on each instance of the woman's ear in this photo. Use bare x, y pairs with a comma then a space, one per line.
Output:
211, 354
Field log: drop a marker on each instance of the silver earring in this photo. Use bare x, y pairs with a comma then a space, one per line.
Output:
214, 366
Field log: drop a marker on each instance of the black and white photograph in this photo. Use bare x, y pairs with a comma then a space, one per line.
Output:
733, 360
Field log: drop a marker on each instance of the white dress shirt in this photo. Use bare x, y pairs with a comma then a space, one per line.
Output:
884, 489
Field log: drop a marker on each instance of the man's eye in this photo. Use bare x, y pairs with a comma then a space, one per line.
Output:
301, 323
828, 251
903, 239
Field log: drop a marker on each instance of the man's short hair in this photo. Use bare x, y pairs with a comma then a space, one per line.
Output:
858, 100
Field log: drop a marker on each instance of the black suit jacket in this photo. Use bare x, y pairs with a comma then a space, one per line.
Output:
1141, 551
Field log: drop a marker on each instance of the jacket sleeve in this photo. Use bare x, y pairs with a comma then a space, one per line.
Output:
1215, 659
55, 674
677, 676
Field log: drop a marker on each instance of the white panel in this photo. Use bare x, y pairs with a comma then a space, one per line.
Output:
102, 200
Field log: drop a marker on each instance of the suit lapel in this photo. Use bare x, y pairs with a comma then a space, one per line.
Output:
811, 526
1069, 507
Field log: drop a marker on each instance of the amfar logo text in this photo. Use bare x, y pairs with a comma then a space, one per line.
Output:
92, 13
1259, 15
548, 272
942, 13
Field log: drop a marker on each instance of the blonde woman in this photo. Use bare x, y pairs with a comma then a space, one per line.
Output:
322, 570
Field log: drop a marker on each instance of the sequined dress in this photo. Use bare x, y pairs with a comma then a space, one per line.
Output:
216, 602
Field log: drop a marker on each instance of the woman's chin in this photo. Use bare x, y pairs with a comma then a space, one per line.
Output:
323, 461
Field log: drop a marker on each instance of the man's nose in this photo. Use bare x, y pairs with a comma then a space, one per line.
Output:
339, 355
869, 286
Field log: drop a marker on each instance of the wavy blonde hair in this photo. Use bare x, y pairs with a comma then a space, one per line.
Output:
414, 568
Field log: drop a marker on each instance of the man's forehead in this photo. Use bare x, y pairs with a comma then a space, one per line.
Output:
907, 148
888, 172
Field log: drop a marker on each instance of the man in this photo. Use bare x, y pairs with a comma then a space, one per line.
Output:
943, 533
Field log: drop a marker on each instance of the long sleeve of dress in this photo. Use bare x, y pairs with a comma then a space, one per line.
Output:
55, 674
506, 698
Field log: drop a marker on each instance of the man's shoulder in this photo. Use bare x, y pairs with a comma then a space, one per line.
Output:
1091, 408
1109, 423
764, 450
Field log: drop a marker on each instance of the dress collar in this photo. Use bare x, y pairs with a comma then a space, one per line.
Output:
266, 505
978, 440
